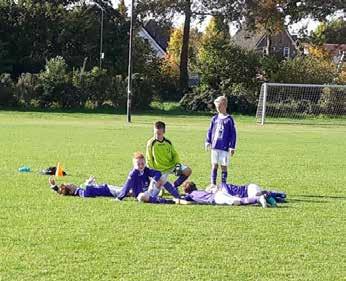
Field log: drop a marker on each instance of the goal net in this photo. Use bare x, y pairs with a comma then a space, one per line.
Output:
294, 101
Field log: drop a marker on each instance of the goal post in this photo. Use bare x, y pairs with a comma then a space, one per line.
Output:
294, 101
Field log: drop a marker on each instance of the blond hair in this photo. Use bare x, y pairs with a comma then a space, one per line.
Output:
138, 155
219, 100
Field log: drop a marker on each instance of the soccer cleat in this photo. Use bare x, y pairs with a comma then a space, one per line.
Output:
262, 200
271, 201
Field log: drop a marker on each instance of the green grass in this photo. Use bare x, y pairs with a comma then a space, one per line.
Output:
47, 237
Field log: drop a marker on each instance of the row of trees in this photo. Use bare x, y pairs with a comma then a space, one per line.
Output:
35, 31
271, 15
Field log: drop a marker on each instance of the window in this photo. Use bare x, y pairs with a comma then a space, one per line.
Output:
286, 52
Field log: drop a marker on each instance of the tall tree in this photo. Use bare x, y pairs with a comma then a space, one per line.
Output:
190, 9
333, 32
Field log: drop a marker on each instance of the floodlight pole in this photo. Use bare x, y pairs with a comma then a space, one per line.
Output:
101, 33
129, 76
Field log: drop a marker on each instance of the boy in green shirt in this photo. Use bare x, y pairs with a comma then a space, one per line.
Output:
162, 156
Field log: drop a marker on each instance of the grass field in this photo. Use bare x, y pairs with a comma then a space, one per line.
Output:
47, 237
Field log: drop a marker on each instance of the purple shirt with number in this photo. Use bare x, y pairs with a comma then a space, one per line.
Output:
221, 133
200, 196
138, 181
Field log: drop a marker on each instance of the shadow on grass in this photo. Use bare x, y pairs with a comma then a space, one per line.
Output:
306, 201
175, 111
328, 122
321, 196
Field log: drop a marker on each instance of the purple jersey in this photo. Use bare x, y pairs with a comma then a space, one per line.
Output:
221, 133
138, 181
94, 191
200, 196
235, 190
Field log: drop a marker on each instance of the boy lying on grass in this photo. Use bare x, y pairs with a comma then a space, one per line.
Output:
195, 196
92, 189
141, 179
219, 197
250, 190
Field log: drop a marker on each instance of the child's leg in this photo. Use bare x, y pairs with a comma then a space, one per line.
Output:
224, 160
253, 190
224, 174
222, 198
186, 172
213, 174
146, 198
171, 189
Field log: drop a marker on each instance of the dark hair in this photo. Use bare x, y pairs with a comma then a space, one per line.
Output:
64, 190
189, 186
160, 125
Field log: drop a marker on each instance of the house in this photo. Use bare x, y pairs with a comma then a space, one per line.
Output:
336, 51
283, 44
155, 36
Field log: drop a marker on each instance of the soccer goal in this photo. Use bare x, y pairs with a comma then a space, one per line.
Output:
294, 101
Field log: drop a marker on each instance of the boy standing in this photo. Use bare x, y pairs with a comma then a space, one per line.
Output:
221, 138
162, 156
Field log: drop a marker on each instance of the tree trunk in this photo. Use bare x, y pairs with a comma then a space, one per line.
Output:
184, 55
269, 44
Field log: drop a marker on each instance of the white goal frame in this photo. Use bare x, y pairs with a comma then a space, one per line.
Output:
262, 102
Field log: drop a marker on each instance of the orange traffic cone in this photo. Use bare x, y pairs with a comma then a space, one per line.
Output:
59, 171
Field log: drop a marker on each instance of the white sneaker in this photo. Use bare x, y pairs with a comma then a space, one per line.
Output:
262, 201
91, 181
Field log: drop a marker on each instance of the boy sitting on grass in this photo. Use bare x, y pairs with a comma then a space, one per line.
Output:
140, 179
162, 156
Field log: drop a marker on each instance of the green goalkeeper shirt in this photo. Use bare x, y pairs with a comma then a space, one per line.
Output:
161, 155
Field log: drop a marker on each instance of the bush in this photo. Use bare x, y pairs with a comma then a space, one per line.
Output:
27, 88
240, 99
332, 102
53, 83
7, 91
305, 70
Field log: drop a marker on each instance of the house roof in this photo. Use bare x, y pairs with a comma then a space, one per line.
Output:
247, 39
251, 39
335, 49
157, 33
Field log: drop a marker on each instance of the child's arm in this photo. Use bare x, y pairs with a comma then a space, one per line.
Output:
156, 176
149, 154
126, 188
233, 136
208, 139
175, 155
183, 201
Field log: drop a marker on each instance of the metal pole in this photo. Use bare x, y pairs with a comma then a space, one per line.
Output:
101, 39
129, 76
265, 89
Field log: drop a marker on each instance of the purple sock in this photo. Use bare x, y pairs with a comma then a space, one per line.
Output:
171, 189
213, 176
159, 200
224, 176
180, 180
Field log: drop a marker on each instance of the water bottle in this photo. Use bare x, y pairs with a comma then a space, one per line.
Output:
24, 169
